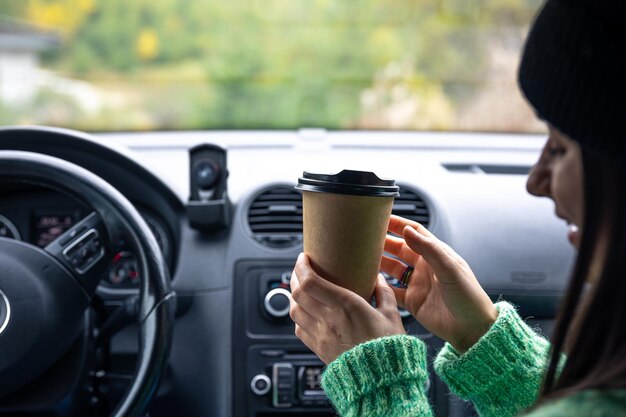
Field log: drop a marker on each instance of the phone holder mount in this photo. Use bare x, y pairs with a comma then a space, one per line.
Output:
209, 207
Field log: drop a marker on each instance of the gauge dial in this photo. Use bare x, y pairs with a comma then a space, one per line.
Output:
8, 229
124, 271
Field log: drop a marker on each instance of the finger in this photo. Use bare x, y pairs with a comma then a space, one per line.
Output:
440, 260
397, 225
385, 298
305, 301
320, 289
302, 318
397, 246
400, 294
310, 305
419, 293
294, 281
393, 267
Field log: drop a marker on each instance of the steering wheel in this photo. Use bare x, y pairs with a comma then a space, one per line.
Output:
45, 292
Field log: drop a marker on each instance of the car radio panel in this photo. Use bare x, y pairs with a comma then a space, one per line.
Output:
274, 373
282, 378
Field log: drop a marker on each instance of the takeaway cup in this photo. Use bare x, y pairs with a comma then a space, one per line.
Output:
345, 218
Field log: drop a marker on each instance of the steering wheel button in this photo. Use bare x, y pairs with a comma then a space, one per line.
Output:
71, 235
92, 249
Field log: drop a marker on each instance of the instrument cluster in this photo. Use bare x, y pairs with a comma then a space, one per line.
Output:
40, 226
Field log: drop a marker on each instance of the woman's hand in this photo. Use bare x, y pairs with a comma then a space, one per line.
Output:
442, 293
331, 320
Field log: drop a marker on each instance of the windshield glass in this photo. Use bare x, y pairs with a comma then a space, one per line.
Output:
264, 64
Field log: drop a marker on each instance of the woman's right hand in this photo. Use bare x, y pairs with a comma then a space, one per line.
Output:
442, 292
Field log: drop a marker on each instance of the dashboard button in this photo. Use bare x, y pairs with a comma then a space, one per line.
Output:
276, 302
261, 384
283, 375
284, 400
285, 277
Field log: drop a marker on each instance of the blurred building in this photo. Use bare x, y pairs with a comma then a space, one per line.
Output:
20, 47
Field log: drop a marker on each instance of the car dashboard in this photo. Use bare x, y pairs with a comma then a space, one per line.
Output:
234, 352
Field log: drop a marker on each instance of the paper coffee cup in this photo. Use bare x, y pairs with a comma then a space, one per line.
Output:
345, 218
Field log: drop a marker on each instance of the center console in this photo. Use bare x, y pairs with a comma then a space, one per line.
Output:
274, 374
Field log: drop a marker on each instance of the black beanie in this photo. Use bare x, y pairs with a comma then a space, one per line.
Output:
573, 72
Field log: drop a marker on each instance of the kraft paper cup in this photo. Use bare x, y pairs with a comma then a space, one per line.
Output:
345, 222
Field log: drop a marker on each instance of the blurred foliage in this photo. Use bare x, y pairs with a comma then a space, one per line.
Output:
65, 15
273, 63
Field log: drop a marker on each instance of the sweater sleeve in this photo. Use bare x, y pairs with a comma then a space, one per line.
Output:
382, 377
502, 373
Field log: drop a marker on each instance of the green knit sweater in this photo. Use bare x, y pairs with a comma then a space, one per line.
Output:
501, 375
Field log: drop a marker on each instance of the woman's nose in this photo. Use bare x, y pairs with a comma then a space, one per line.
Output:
538, 182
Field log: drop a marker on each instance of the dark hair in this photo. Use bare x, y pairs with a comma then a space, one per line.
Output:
593, 330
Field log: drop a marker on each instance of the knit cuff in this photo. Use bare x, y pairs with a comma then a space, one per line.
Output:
509, 347
381, 372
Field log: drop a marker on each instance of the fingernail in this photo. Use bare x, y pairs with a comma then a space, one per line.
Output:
408, 230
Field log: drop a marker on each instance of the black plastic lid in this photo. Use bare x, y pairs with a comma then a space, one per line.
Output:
348, 182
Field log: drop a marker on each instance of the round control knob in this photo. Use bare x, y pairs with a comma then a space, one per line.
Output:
277, 302
261, 384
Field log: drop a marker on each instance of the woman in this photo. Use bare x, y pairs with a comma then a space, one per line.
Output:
573, 73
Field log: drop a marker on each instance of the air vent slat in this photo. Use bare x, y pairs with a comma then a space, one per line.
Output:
273, 219
420, 219
281, 196
275, 227
282, 208
265, 212
275, 203
423, 212
400, 200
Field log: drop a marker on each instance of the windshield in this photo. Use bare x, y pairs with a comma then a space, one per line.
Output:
264, 64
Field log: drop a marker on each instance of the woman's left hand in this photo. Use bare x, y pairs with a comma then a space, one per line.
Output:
331, 319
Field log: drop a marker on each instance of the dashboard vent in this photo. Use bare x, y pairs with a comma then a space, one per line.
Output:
275, 217
411, 206
488, 169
